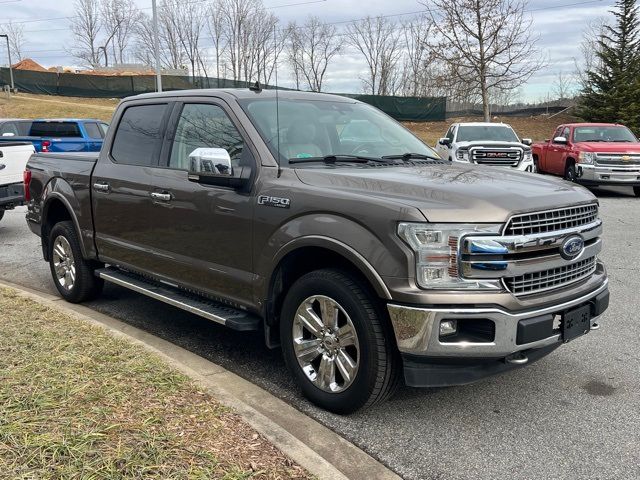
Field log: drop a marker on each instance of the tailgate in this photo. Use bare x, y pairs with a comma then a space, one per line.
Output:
13, 160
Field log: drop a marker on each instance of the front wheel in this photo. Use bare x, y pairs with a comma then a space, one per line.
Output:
570, 172
1, 214
636, 192
336, 343
72, 274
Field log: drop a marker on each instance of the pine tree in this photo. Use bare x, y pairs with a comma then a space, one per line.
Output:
612, 89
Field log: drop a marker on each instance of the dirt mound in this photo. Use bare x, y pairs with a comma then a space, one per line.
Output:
28, 64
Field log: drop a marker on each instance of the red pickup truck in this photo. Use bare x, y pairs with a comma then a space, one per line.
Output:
591, 154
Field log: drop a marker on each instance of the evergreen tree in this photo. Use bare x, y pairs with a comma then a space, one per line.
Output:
612, 88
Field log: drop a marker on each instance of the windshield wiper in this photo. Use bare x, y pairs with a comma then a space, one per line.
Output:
407, 157
331, 159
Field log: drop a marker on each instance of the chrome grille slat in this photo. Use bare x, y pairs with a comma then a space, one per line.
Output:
536, 282
544, 222
616, 159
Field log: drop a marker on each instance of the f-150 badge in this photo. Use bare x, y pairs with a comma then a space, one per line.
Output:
277, 202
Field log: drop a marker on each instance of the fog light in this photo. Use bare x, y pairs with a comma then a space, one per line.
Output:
448, 327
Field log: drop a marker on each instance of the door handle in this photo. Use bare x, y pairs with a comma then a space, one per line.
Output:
163, 197
102, 187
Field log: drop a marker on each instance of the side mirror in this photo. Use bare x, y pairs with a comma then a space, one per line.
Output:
527, 141
444, 141
561, 140
212, 166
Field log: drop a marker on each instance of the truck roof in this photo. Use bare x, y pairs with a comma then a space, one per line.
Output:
241, 93
482, 124
65, 120
592, 124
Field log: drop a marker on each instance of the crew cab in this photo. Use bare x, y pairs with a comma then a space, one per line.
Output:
13, 160
591, 154
494, 144
56, 135
367, 260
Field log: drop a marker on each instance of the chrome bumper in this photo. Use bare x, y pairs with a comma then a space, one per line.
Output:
610, 174
417, 329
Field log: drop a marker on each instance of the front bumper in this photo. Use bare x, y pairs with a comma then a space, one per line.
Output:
432, 361
11, 195
609, 175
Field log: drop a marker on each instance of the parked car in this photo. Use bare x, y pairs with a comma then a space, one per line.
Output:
495, 144
13, 160
248, 209
591, 154
56, 135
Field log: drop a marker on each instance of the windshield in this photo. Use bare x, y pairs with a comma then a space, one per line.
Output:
603, 134
320, 128
478, 133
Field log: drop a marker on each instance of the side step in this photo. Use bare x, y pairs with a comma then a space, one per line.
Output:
209, 309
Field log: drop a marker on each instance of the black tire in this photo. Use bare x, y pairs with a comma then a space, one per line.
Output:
378, 371
636, 192
86, 286
1, 214
570, 174
536, 165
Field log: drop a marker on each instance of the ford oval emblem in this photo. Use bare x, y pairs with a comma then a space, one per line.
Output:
572, 247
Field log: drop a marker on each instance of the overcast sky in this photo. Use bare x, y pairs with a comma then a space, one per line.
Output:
559, 25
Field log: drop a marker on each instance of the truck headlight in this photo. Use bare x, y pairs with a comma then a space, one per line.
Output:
528, 156
588, 158
462, 155
436, 250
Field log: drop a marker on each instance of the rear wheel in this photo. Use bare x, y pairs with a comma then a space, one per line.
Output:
335, 342
72, 274
1, 214
570, 172
636, 191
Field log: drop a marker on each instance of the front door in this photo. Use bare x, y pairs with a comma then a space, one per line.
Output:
203, 232
121, 188
557, 152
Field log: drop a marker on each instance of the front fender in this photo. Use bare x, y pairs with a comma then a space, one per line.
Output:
374, 256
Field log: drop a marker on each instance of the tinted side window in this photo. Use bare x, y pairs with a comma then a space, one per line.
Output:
139, 135
208, 126
450, 134
93, 130
566, 132
55, 129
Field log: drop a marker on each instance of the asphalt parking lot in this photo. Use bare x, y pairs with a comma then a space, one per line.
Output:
575, 414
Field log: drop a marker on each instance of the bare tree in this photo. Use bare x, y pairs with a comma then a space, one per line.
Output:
487, 44
215, 26
417, 74
86, 26
588, 47
310, 49
15, 32
564, 86
187, 20
172, 53
378, 40
119, 19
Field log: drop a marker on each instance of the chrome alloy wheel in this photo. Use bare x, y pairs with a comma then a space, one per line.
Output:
325, 343
63, 263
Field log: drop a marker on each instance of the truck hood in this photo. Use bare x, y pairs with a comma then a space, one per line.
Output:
606, 147
487, 143
452, 193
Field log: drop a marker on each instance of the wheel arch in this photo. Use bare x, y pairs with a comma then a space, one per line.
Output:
312, 253
55, 209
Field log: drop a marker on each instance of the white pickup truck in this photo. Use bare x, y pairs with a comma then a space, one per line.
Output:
13, 160
494, 144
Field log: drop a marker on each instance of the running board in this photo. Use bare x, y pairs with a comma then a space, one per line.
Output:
215, 311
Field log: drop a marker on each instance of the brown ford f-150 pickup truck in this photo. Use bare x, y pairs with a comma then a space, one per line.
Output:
368, 260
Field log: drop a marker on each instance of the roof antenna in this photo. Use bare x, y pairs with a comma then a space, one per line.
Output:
275, 50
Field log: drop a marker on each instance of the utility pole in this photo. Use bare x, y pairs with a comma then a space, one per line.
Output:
13, 87
156, 45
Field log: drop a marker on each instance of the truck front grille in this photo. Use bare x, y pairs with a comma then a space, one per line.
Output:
537, 282
618, 159
552, 220
501, 157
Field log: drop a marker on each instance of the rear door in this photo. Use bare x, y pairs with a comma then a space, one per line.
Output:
202, 233
94, 136
121, 187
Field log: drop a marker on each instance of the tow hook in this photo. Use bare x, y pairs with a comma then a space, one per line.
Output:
517, 358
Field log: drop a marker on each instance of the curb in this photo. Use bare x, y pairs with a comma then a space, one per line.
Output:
313, 446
